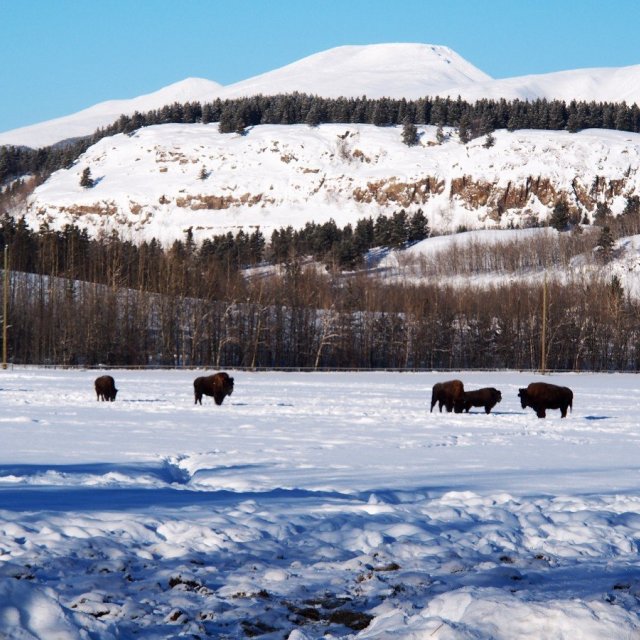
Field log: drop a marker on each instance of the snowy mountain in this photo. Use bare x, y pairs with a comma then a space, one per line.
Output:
164, 179
85, 122
395, 70
598, 85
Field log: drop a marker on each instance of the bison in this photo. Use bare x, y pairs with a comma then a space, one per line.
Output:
541, 396
450, 394
488, 397
219, 385
105, 388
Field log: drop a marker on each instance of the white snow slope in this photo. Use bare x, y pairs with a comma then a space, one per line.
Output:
317, 505
397, 70
85, 122
149, 183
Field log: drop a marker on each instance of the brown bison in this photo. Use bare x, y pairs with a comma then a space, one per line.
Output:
450, 394
218, 385
105, 388
488, 397
541, 396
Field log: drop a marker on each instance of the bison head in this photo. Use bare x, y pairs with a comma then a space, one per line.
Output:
522, 394
222, 387
228, 385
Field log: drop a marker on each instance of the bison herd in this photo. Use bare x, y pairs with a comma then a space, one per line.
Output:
540, 396
218, 386
451, 394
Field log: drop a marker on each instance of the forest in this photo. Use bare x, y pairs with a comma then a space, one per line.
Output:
243, 301
472, 120
306, 298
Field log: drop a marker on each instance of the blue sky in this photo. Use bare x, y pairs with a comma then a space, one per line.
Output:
60, 56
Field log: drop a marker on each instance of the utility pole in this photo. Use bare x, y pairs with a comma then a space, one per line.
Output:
543, 346
5, 306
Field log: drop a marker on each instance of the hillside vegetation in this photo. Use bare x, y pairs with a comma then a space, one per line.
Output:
107, 301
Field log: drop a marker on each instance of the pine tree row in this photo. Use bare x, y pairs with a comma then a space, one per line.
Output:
472, 120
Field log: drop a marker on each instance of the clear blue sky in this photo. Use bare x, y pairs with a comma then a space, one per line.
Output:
60, 56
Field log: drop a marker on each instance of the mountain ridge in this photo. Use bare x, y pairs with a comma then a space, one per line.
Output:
397, 70
164, 179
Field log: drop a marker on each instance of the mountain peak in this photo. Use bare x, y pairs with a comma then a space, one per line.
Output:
396, 70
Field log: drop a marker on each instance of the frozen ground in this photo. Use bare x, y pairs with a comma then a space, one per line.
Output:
325, 505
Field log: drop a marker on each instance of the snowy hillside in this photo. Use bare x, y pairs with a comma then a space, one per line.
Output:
408, 265
165, 179
620, 84
85, 122
397, 70
290, 512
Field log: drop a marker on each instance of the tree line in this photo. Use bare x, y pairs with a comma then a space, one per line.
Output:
235, 115
89, 301
71, 252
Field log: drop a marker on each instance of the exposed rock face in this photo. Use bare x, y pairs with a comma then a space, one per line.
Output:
165, 179
402, 194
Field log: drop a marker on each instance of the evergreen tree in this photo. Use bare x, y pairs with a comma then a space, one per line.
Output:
380, 115
489, 141
622, 117
363, 236
632, 206
86, 180
464, 133
382, 231
409, 133
398, 229
418, 227
603, 213
559, 219
314, 114
605, 244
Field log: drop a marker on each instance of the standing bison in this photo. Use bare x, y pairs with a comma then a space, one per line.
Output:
541, 396
218, 385
105, 388
488, 397
450, 394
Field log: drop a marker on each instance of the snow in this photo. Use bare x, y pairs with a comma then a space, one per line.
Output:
605, 84
87, 121
316, 505
396, 70
149, 183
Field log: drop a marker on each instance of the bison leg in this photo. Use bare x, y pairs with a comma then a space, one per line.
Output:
198, 398
541, 413
487, 408
563, 411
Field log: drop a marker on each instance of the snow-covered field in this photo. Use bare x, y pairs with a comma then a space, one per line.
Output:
316, 505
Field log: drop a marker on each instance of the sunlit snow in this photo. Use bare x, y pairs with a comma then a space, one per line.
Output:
315, 505
395, 70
